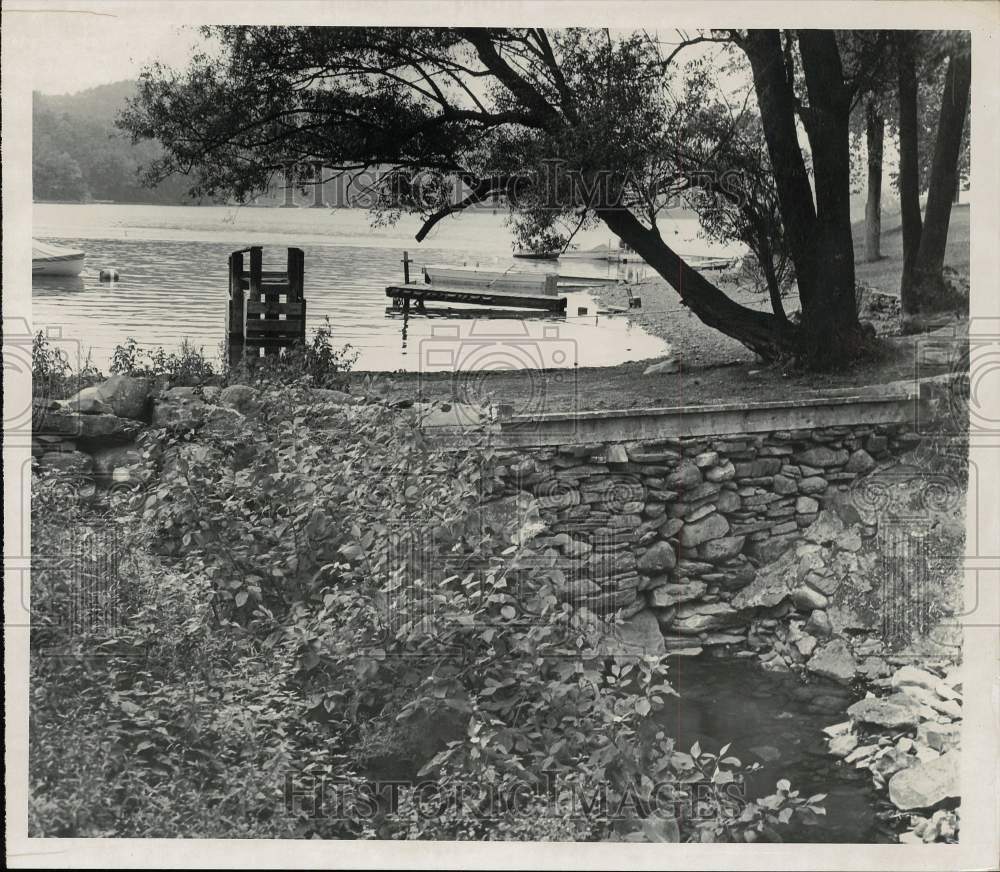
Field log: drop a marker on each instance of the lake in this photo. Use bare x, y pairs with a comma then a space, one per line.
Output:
172, 263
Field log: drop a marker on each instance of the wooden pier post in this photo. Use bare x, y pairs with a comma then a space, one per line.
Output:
406, 267
234, 325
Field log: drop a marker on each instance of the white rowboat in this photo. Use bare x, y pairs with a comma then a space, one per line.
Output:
55, 260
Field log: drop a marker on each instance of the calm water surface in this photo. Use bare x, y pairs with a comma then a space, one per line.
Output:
776, 720
173, 284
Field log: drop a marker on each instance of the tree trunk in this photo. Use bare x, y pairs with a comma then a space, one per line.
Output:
929, 286
909, 169
777, 111
875, 131
830, 324
770, 337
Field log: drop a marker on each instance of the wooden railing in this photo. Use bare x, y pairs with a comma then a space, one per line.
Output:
267, 310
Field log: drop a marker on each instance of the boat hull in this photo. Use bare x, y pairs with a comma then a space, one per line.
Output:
54, 260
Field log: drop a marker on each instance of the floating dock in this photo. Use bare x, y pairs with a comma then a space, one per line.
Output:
419, 293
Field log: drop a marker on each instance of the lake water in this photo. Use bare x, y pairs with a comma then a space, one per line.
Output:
776, 719
172, 262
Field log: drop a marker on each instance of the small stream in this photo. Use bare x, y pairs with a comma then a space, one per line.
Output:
776, 719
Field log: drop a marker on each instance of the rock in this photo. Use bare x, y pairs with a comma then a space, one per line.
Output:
911, 675
698, 513
834, 660
861, 753
893, 711
671, 528
841, 746
87, 402
806, 645
807, 599
693, 618
860, 461
726, 472
728, 501
128, 396
822, 456
671, 594
814, 484
615, 454
243, 398
806, 506
664, 367
926, 784
67, 462
658, 559
706, 458
712, 527
719, 550
97, 428
893, 761
947, 707
819, 624
107, 460
940, 737
686, 476
784, 484
840, 729
640, 634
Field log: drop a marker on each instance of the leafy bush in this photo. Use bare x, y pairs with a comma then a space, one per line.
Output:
187, 366
52, 373
318, 595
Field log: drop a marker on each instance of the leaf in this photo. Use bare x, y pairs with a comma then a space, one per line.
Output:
657, 829
509, 612
785, 815
643, 707
696, 750
818, 797
784, 784
241, 598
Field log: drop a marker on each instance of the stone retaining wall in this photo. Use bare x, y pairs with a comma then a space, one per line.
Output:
735, 542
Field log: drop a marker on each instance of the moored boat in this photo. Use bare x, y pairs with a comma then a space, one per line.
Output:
48, 259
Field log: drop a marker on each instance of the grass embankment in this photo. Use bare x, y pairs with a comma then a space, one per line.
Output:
713, 367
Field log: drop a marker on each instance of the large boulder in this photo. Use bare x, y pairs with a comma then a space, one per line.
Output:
87, 402
103, 428
927, 784
129, 397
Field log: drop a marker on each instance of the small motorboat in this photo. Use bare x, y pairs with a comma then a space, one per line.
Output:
48, 259
621, 254
524, 254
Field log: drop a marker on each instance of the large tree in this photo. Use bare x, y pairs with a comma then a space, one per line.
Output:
573, 125
923, 287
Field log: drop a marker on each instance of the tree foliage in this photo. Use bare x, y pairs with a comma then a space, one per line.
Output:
573, 126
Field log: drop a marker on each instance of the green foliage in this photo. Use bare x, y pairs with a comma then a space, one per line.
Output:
186, 366
316, 592
53, 375
318, 361
77, 155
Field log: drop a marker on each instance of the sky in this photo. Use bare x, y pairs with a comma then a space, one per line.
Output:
75, 50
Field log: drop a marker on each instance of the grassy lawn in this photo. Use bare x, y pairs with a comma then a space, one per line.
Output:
885, 274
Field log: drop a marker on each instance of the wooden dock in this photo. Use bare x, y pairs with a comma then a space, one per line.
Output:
418, 293
267, 310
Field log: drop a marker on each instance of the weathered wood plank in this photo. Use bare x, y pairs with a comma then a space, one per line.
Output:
290, 309
430, 293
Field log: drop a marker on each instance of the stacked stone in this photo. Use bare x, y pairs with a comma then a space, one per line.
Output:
679, 526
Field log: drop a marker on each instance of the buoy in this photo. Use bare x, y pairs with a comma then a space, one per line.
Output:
109, 275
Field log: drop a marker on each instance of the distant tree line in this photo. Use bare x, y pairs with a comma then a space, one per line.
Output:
79, 156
